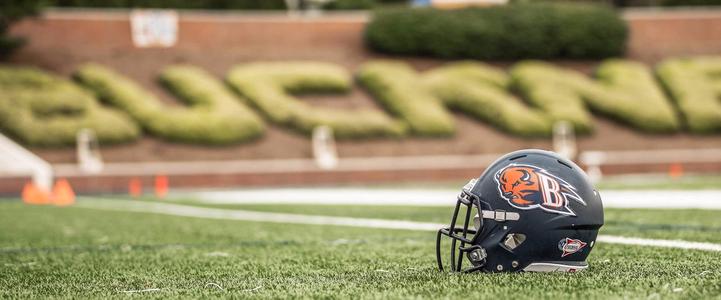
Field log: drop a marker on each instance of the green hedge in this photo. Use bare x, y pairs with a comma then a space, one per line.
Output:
694, 84
350, 4
629, 92
481, 91
524, 30
625, 91
12, 11
40, 109
269, 87
363, 4
213, 118
399, 88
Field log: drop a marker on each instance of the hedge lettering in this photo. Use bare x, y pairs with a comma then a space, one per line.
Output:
695, 85
399, 88
624, 90
213, 116
480, 91
269, 86
40, 109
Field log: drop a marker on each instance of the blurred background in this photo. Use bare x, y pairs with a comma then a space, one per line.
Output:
158, 96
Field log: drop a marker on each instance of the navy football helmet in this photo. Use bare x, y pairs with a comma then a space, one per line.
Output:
532, 210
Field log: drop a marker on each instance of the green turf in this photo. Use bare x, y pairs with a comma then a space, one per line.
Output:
83, 253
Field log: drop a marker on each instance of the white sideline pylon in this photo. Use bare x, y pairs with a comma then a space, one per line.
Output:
16, 160
564, 140
88, 152
324, 151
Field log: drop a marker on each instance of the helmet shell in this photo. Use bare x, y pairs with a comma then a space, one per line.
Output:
560, 211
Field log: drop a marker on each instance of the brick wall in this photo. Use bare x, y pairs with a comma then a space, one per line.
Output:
659, 34
336, 37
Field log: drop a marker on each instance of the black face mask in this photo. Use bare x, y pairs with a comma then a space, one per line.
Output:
464, 236
465, 240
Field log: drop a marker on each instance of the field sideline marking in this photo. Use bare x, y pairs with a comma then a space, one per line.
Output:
245, 215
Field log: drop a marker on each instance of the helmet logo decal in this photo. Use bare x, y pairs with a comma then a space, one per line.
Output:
570, 246
530, 187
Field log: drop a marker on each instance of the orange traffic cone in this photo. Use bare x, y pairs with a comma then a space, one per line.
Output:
161, 186
675, 170
33, 195
63, 194
135, 188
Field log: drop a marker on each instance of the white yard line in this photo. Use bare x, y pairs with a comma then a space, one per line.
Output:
658, 243
701, 199
244, 215
342, 196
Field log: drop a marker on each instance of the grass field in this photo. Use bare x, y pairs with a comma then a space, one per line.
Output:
78, 252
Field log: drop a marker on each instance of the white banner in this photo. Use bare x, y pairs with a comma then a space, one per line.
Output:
154, 28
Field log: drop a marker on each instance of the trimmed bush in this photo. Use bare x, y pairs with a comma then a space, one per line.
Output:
399, 88
214, 117
349, 4
481, 91
625, 91
269, 86
40, 109
12, 11
201, 90
695, 85
629, 93
515, 31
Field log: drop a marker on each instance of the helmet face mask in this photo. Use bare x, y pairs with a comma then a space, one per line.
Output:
529, 211
463, 235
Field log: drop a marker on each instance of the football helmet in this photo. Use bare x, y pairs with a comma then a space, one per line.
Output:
531, 210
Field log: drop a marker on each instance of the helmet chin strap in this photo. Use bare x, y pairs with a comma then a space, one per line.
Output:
496, 215
501, 215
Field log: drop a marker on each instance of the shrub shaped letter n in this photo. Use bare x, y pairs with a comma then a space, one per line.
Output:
269, 86
479, 90
695, 85
625, 91
215, 115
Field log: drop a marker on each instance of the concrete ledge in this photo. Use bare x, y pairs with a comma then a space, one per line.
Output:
376, 170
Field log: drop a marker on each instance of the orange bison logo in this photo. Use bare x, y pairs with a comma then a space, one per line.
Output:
529, 187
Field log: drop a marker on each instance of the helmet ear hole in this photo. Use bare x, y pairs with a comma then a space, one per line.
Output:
477, 222
513, 240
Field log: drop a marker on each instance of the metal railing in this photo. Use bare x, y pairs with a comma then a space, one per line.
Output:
17, 161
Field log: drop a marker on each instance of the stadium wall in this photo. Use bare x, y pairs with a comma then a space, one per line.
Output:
61, 39
89, 34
